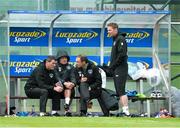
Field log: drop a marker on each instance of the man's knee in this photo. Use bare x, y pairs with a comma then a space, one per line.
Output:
121, 93
83, 98
84, 84
72, 93
44, 92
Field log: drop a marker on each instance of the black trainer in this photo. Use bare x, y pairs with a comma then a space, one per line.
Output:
83, 114
66, 107
68, 114
122, 114
55, 114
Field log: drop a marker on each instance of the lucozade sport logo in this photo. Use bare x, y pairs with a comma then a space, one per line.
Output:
24, 66
26, 36
76, 37
136, 35
132, 36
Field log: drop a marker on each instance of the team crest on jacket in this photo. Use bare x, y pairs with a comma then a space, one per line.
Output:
60, 69
51, 75
80, 73
68, 67
90, 71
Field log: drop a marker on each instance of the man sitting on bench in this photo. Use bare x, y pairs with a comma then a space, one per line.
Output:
43, 84
66, 75
89, 80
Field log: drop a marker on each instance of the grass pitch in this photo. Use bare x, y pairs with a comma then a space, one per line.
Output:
46, 122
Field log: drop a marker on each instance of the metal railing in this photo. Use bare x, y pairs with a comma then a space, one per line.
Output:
161, 71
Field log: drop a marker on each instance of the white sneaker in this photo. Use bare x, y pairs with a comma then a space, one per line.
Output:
41, 114
126, 110
126, 113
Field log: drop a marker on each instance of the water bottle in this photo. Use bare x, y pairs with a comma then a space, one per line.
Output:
59, 83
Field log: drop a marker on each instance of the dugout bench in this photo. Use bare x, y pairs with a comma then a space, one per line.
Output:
19, 99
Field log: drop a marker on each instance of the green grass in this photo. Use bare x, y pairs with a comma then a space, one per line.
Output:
175, 47
174, 71
88, 122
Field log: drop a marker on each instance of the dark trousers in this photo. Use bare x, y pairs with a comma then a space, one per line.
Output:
120, 77
43, 95
86, 95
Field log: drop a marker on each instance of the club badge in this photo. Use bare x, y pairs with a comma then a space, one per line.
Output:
51, 75
68, 67
90, 71
60, 69
80, 73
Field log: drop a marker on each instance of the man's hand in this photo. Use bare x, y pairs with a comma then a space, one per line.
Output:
83, 79
69, 85
58, 88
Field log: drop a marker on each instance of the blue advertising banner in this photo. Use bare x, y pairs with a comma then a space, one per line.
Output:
94, 59
136, 37
76, 37
147, 61
28, 36
23, 65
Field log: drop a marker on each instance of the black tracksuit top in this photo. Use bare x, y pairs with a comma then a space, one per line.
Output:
41, 78
92, 73
65, 73
119, 51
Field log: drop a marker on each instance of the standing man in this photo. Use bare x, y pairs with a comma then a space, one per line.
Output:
89, 80
65, 73
43, 84
118, 64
